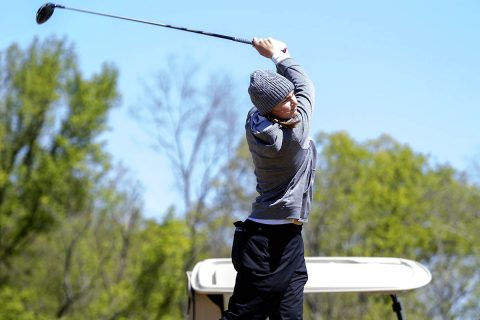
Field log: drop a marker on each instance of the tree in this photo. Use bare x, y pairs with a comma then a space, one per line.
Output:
193, 121
380, 198
158, 290
73, 242
14, 305
51, 118
106, 263
454, 211
85, 257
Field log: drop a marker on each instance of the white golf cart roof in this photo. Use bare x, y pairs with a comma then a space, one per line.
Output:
332, 274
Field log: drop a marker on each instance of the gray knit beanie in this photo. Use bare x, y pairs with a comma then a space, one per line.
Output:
267, 89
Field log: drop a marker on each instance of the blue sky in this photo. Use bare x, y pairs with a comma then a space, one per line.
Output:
410, 68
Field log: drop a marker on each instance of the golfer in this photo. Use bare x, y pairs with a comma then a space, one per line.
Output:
267, 250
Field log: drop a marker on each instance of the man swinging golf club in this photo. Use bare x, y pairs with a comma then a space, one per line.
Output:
267, 250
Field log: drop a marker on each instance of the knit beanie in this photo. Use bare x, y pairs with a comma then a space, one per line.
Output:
267, 89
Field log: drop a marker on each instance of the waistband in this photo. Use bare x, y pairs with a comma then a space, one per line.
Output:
255, 226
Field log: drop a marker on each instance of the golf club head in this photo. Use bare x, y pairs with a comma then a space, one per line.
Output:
45, 12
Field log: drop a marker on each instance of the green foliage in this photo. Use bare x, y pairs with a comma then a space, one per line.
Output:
161, 280
379, 198
49, 154
14, 305
107, 264
373, 192
72, 240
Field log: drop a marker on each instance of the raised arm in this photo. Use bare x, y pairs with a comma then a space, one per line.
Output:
286, 66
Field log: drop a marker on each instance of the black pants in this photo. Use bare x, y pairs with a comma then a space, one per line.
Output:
271, 272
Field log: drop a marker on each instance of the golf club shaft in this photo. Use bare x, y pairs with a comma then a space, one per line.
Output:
159, 24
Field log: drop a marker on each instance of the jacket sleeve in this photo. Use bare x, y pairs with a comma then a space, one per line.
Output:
305, 94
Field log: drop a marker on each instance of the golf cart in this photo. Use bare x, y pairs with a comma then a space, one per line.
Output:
211, 282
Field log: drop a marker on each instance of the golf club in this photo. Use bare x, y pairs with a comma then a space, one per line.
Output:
46, 11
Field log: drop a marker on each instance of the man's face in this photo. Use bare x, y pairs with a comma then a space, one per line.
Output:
286, 108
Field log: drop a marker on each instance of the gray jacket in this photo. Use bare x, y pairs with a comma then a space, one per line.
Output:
284, 158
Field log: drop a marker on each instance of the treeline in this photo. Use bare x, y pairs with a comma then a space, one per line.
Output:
74, 242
